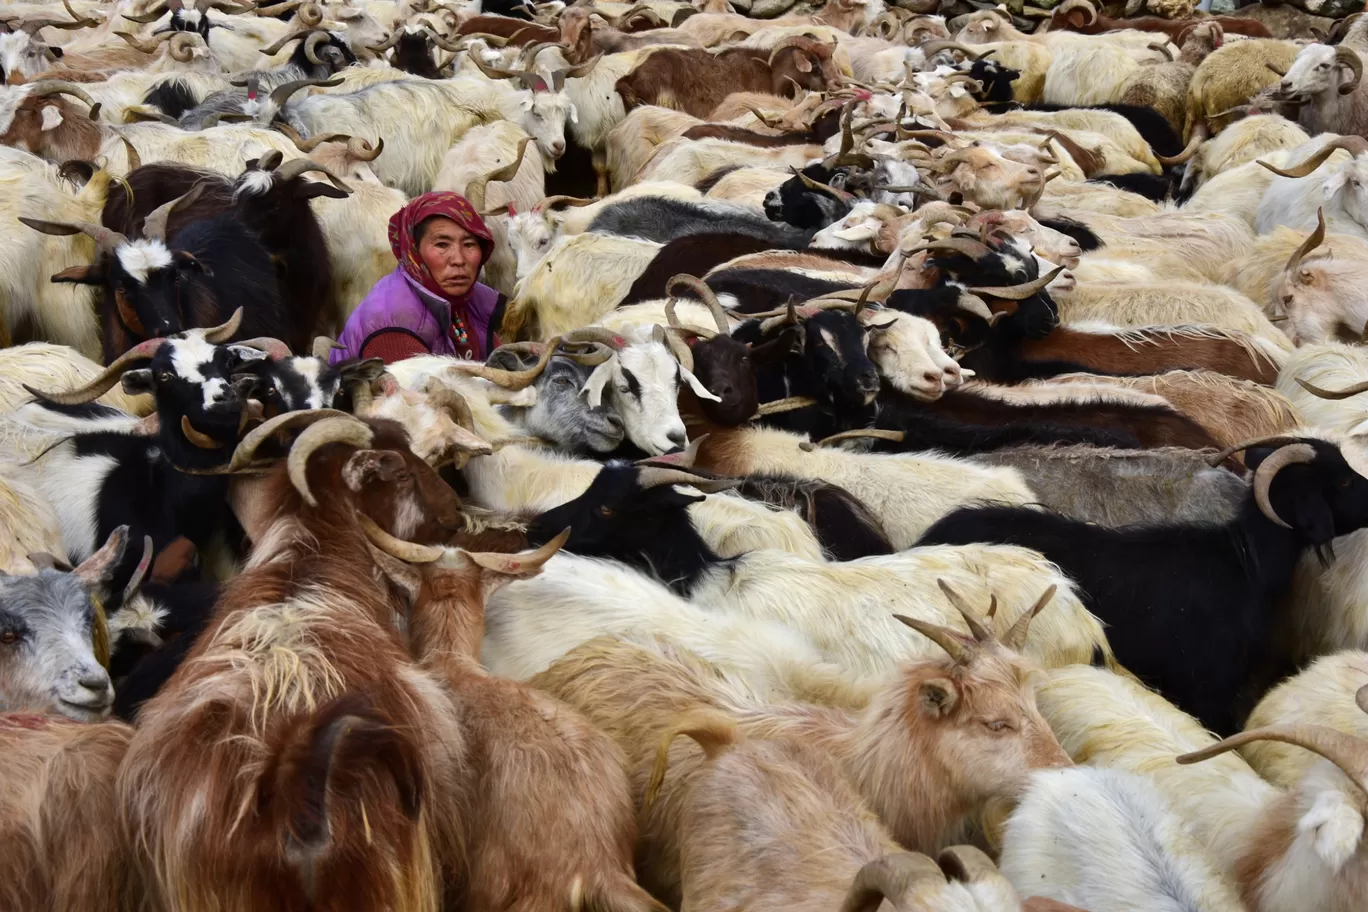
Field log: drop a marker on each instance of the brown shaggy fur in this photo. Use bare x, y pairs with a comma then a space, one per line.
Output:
299, 759
59, 842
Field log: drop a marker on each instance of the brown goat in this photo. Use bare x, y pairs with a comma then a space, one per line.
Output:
299, 759
59, 843
936, 744
550, 791
696, 81
51, 127
1154, 351
1082, 17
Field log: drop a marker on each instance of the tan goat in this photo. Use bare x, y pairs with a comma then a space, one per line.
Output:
59, 841
939, 741
555, 826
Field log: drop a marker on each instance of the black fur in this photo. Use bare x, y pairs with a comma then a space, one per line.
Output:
844, 526
172, 97
1087, 240
1157, 187
1191, 608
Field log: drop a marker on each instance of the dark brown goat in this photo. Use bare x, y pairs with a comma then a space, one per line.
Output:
696, 81
1082, 17
300, 759
1151, 352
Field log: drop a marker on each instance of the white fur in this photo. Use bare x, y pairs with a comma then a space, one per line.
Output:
139, 258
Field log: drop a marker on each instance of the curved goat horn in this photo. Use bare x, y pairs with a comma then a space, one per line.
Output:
281, 94
349, 430
1348, 753
1354, 145
510, 380
1015, 637
952, 641
104, 382
1018, 292
1345, 393
1268, 470
292, 169
1313, 240
891, 878
982, 633
106, 239
700, 288
475, 190
154, 225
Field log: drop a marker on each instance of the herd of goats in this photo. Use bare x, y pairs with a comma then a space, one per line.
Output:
925, 470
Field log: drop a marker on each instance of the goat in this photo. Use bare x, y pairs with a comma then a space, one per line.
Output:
1082, 16
1324, 693
1072, 825
905, 734
519, 738
1289, 509
58, 804
152, 290
561, 416
1116, 488
56, 636
301, 666
696, 81
128, 477
1281, 850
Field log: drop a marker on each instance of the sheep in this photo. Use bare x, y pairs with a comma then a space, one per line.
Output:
1107, 841
1119, 487
904, 736
1111, 568
58, 807
907, 493
57, 636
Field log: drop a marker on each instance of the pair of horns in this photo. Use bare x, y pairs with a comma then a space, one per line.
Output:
963, 649
523, 564
1290, 451
143, 351
705, 294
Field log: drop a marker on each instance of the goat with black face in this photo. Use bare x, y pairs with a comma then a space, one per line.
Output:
812, 199
1192, 607
625, 501
153, 289
135, 478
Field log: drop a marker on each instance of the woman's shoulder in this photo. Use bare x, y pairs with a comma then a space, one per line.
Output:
393, 302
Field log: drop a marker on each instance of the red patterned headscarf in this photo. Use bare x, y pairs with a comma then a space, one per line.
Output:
439, 202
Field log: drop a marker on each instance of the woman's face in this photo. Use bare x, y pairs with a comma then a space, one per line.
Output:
451, 254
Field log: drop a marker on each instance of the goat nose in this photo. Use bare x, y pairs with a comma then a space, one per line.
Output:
558, 148
94, 681
677, 439
932, 376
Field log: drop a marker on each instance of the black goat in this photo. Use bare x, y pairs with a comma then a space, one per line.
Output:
812, 199
272, 200
133, 477
607, 521
661, 219
1191, 608
844, 526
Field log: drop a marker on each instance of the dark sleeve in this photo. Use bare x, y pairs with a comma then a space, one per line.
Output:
392, 344
492, 330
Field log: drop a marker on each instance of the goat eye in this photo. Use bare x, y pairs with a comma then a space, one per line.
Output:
605, 512
998, 725
9, 638
163, 377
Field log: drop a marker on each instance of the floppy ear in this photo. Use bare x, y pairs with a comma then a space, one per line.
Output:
701, 391
313, 189
937, 697
593, 387
79, 275
366, 466
139, 381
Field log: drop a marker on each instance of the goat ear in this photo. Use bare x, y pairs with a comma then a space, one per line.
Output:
314, 189
52, 118
593, 387
367, 371
175, 560
937, 697
775, 349
79, 275
366, 466
97, 570
137, 382
1336, 825
699, 390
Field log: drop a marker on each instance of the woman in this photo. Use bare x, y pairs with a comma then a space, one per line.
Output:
431, 303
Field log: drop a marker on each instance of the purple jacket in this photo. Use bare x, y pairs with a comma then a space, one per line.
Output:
397, 302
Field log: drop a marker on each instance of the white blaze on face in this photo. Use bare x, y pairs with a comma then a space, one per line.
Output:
139, 258
188, 358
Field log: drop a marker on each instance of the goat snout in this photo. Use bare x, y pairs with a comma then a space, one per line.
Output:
87, 694
558, 148
868, 386
677, 439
